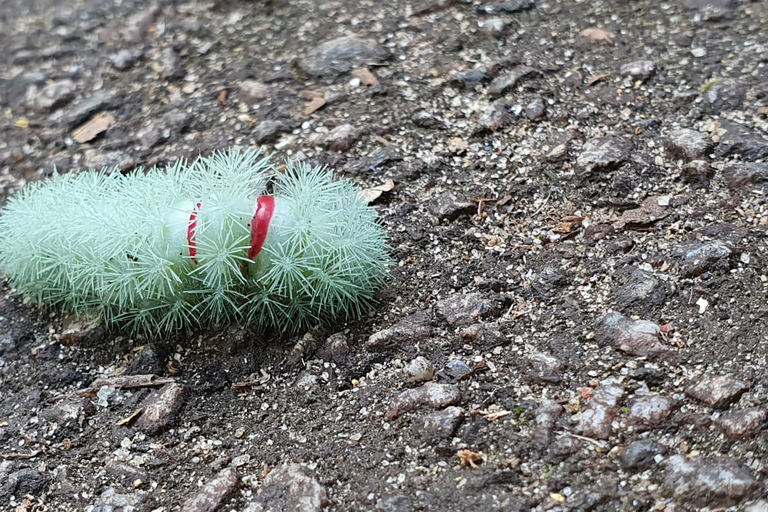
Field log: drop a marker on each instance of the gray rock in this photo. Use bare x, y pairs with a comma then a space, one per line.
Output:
341, 138
597, 418
340, 55
546, 368
399, 503
290, 487
51, 96
641, 454
744, 424
639, 69
728, 94
423, 7
151, 136
441, 425
125, 59
462, 308
410, 330
14, 90
306, 382
82, 110
700, 257
117, 469
424, 119
509, 6
604, 153
494, 27
742, 175
743, 141
688, 144
449, 207
710, 483
535, 109
757, 506
455, 371
634, 337
213, 493
545, 422
699, 173
253, 91
650, 410
267, 132
548, 283
419, 370
112, 501
495, 117
718, 391
641, 294
97, 159
508, 80
160, 409
22, 482
479, 75
431, 394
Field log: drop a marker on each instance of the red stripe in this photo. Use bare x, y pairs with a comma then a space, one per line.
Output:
192, 231
260, 224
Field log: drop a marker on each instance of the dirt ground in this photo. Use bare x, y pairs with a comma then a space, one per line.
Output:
576, 318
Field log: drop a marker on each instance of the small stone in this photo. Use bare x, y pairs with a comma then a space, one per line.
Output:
699, 52
700, 173
121, 470
253, 91
171, 69
335, 348
634, 337
639, 69
110, 500
290, 487
341, 138
494, 27
548, 283
410, 330
509, 6
742, 175
728, 94
125, 59
399, 503
650, 410
700, 257
596, 232
604, 153
448, 207
431, 394
341, 55
739, 140
213, 493
494, 117
708, 483
506, 81
267, 132
641, 454
641, 294
744, 424
535, 109
419, 370
462, 309
424, 119
718, 391
597, 418
23, 482
306, 382
160, 409
441, 424
52, 96
456, 370
688, 144
545, 422
480, 75
82, 110
423, 7
546, 368
151, 136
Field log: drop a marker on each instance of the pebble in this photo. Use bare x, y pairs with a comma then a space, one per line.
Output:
399, 503
51, 96
718, 391
634, 337
341, 138
160, 409
639, 69
699, 173
604, 153
82, 110
125, 59
253, 91
641, 294
508, 80
650, 410
742, 175
424, 119
495, 117
688, 144
510, 6
700, 257
728, 94
23, 482
744, 424
306, 382
548, 283
290, 487
494, 27
441, 424
111, 501
449, 207
546, 368
213, 493
462, 308
121, 470
545, 422
740, 140
480, 75
641, 454
603, 408
431, 394
410, 330
336, 348
419, 370
269, 131
455, 371
708, 483
341, 55
535, 109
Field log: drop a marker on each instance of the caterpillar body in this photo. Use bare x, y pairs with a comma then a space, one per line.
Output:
196, 243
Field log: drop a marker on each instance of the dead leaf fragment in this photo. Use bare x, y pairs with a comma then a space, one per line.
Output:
316, 103
128, 420
469, 458
597, 35
596, 78
93, 128
372, 194
22, 123
365, 76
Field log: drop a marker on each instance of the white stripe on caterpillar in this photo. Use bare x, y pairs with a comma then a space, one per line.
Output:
196, 244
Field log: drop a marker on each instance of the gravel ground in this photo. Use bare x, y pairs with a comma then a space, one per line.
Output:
577, 313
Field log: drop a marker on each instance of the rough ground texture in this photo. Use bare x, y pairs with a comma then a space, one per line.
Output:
577, 313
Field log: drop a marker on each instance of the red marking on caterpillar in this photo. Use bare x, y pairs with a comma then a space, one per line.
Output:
260, 224
192, 231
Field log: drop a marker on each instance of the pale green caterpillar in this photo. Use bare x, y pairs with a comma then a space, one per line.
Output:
195, 244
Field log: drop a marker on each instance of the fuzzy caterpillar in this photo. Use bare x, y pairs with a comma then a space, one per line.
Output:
195, 244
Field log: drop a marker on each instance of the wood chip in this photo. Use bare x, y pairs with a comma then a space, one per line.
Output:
597, 35
372, 194
763, 111
365, 76
129, 419
596, 78
469, 458
221, 99
93, 128
315, 104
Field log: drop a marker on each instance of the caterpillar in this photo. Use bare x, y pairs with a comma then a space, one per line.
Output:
196, 243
